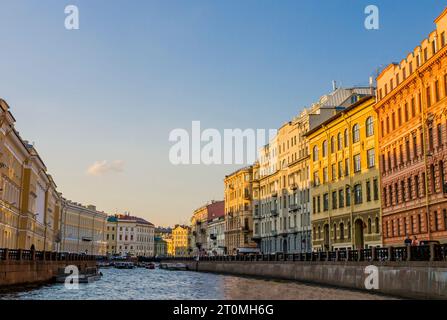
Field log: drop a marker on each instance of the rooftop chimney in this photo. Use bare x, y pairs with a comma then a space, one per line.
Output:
334, 85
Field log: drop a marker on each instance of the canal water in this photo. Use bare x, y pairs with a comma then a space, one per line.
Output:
145, 284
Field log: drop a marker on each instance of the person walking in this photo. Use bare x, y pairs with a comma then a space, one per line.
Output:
415, 241
407, 241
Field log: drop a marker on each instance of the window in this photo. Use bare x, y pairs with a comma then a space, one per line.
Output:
341, 198
443, 39
324, 147
339, 142
358, 194
325, 175
368, 191
316, 179
369, 127
340, 169
415, 147
413, 108
348, 196
333, 145
326, 202
430, 138
369, 226
402, 188
315, 153
439, 135
355, 133
371, 158
410, 188
346, 138
399, 117
334, 200
334, 172
346, 167
416, 185
335, 231
444, 214
437, 91
376, 189
342, 231
406, 112
357, 164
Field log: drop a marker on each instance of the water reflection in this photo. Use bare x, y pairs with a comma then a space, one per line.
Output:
144, 284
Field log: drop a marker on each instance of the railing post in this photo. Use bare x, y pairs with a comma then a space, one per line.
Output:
337, 257
19, 254
432, 252
359, 254
408, 253
373, 254
33, 255
6, 254
390, 254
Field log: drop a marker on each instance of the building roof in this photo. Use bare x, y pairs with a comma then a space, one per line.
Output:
216, 210
125, 217
339, 114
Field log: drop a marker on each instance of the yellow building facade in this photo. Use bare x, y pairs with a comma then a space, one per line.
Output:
29, 202
344, 167
83, 229
180, 241
199, 219
238, 210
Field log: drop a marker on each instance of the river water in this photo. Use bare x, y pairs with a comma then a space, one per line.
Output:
158, 284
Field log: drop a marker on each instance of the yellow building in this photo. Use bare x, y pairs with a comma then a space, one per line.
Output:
29, 202
199, 219
344, 169
180, 241
83, 229
238, 210
169, 247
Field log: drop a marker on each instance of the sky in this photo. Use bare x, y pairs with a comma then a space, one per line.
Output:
100, 102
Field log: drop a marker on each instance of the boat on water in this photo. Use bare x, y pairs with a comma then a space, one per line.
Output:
88, 276
124, 265
173, 266
150, 265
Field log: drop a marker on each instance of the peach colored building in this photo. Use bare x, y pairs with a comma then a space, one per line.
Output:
412, 107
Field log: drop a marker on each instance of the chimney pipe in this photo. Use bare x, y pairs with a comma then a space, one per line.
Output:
334, 85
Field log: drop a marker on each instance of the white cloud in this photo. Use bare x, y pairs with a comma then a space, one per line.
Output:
100, 168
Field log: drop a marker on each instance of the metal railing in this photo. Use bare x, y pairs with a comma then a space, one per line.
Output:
433, 252
32, 255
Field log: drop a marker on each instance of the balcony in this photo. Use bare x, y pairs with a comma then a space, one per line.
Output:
293, 207
293, 230
275, 194
294, 186
284, 233
274, 212
247, 196
274, 233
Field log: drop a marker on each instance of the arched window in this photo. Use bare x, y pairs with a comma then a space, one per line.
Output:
369, 126
319, 232
324, 147
342, 231
315, 153
332, 144
346, 138
369, 226
355, 133
349, 230
340, 141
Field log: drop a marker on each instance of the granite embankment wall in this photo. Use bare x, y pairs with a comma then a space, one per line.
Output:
30, 272
410, 279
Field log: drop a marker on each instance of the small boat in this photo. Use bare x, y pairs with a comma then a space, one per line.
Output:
173, 266
124, 265
88, 276
150, 265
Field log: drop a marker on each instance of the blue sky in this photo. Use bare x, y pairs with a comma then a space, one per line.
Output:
135, 70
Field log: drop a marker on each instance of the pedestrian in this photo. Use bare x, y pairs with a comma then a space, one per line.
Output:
407, 241
415, 241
